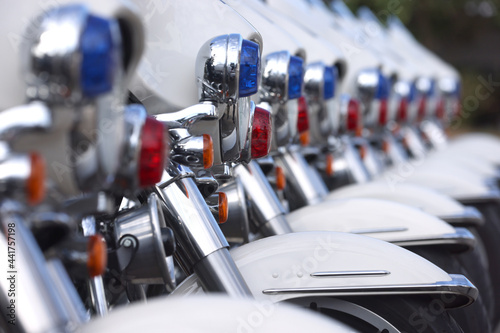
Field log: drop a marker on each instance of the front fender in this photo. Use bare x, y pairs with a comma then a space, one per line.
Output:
460, 185
191, 315
388, 221
426, 199
338, 264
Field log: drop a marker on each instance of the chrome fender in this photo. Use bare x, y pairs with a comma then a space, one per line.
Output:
388, 221
237, 315
426, 199
337, 264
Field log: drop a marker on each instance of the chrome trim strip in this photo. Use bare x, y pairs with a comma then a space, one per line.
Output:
470, 216
460, 291
351, 273
459, 241
377, 230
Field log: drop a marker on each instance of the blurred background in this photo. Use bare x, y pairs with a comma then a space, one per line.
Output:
466, 34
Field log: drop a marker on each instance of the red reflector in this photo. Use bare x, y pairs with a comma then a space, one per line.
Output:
457, 109
440, 109
353, 115
402, 110
421, 109
382, 116
261, 133
152, 154
303, 121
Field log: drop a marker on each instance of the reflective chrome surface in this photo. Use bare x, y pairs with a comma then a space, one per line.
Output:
54, 57
367, 83
149, 264
15, 170
237, 227
39, 306
471, 216
219, 273
265, 205
304, 185
135, 117
274, 85
462, 289
35, 116
186, 149
322, 114
186, 212
459, 241
351, 273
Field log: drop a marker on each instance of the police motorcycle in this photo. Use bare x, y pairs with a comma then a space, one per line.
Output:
39, 234
298, 189
154, 98
380, 190
343, 213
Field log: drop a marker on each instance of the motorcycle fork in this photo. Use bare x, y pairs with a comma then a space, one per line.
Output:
44, 299
201, 246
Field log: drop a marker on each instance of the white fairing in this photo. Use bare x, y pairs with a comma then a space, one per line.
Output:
215, 314
175, 31
288, 261
426, 199
381, 219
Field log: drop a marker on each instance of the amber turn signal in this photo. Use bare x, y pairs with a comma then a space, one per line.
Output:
35, 184
208, 151
329, 165
97, 255
280, 178
223, 208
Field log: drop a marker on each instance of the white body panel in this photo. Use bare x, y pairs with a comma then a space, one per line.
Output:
288, 261
381, 219
215, 314
175, 31
428, 200
455, 182
484, 146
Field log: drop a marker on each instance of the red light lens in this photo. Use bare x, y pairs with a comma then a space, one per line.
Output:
261, 133
303, 121
353, 115
152, 154
440, 109
402, 110
421, 109
382, 116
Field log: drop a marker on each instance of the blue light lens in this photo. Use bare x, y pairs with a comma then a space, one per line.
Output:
296, 76
96, 47
249, 68
330, 76
383, 87
432, 89
413, 92
458, 89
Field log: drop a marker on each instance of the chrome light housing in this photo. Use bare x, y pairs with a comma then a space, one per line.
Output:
76, 63
73, 55
319, 90
282, 84
228, 72
373, 90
